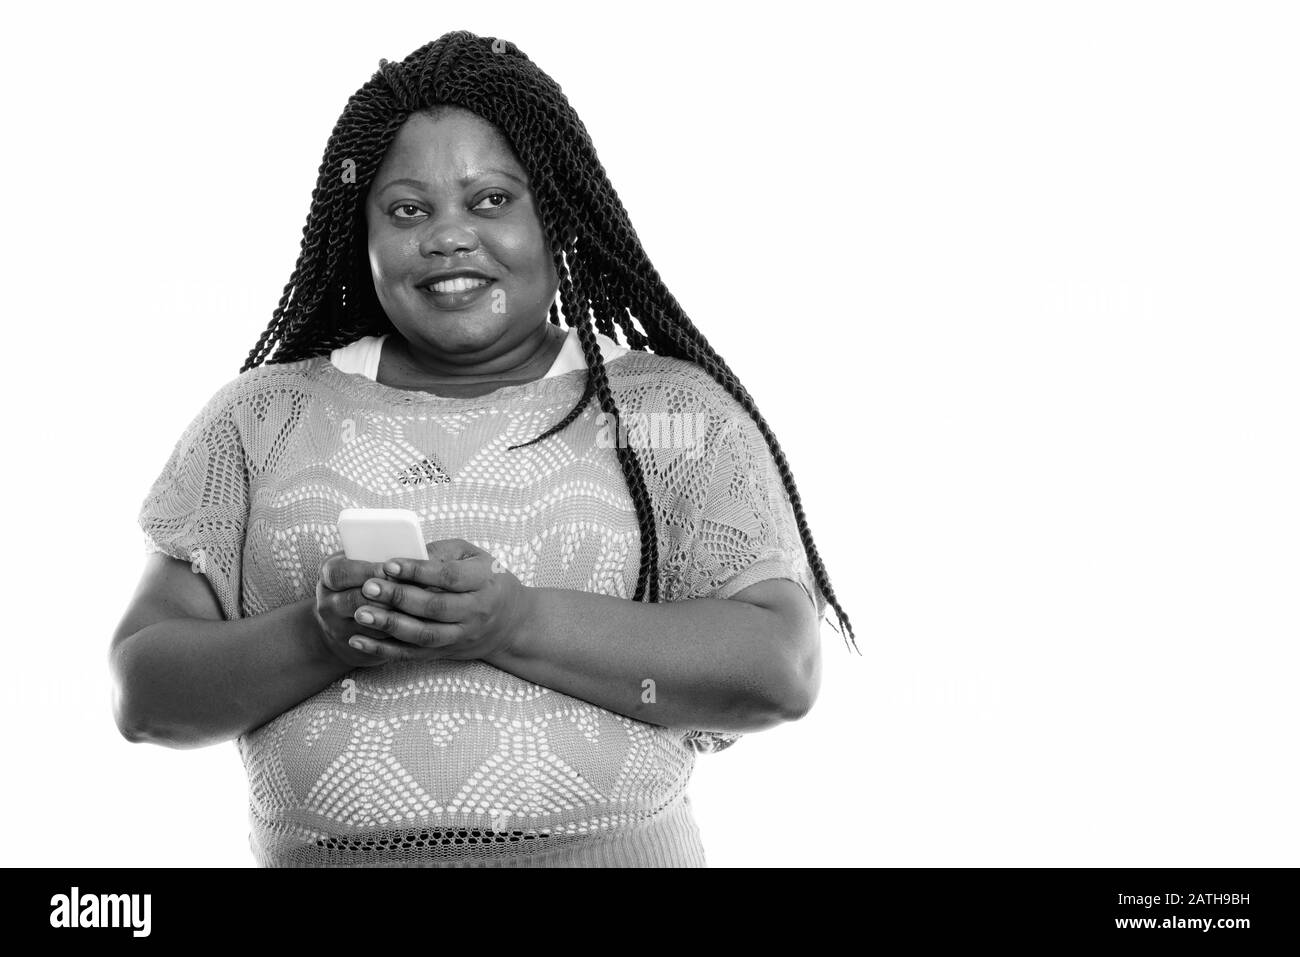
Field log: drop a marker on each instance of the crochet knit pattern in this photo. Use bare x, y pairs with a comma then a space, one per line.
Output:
457, 763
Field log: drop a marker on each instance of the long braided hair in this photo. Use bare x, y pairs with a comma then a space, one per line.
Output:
330, 300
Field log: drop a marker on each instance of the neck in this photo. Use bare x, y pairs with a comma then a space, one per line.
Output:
406, 368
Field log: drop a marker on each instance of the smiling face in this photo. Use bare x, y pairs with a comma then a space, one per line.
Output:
450, 195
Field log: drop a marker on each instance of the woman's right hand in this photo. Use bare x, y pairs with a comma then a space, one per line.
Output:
338, 596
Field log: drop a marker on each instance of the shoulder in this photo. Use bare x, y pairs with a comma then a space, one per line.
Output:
680, 419
246, 398
303, 373
645, 382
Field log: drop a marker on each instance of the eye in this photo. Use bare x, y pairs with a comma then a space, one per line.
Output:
501, 196
397, 209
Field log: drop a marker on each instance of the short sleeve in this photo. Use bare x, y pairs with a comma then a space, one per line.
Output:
197, 508
739, 524
732, 526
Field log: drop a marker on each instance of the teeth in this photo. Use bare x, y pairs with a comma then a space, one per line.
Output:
459, 284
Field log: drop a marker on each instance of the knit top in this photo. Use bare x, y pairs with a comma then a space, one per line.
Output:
458, 763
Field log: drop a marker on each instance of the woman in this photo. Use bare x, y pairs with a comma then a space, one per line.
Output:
609, 590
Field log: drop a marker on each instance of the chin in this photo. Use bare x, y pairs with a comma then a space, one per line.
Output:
457, 331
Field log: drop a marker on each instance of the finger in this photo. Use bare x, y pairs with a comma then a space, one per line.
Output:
343, 605
453, 549
339, 573
388, 648
416, 600
414, 631
463, 574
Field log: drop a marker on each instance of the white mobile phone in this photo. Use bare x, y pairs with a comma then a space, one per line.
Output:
378, 534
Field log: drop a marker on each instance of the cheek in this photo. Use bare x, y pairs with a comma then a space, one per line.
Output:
390, 257
524, 252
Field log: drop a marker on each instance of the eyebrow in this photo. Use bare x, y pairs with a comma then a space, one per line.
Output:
464, 180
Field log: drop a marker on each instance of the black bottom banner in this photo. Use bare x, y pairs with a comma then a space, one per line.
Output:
1223, 908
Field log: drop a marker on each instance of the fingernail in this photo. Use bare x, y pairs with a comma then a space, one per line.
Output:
371, 589
365, 617
393, 568
357, 643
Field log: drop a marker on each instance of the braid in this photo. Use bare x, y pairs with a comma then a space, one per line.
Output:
607, 283
590, 388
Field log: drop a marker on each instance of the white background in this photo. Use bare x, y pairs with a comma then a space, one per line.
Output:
1014, 284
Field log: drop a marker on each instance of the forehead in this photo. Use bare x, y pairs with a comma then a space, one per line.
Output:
455, 143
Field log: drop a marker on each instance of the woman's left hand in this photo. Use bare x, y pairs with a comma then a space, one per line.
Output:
460, 604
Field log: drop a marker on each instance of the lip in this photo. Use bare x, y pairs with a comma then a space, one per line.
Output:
456, 300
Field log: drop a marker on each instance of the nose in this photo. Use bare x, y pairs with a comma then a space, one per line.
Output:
447, 235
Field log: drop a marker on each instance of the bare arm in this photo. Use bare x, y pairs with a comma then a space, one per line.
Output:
185, 678
740, 665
